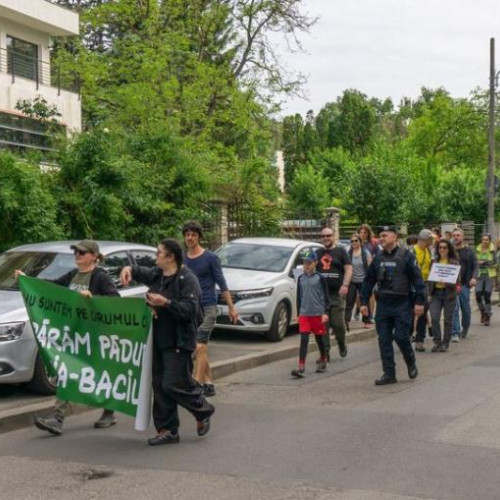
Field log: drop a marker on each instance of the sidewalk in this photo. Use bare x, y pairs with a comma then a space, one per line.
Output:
227, 358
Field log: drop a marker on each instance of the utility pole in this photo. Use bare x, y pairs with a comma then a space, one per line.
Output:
490, 181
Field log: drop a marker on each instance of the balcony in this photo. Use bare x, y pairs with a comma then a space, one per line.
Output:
19, 65
41, 15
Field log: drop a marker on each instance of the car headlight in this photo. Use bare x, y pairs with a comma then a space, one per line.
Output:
253, 294
11, 331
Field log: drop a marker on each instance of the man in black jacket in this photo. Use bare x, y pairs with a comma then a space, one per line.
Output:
468, 275
88, 279
175, 296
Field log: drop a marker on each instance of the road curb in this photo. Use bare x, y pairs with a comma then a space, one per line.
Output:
229, 367
23, 416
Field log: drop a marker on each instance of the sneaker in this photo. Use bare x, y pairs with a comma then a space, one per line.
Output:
455, 338
436, 348
51, 424
443, 348
299, 372
107, 419
164, 437
208, 390
322, 367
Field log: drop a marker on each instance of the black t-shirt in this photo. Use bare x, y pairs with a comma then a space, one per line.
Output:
331, 265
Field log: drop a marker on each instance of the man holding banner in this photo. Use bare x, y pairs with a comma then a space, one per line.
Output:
175, 296
87, 279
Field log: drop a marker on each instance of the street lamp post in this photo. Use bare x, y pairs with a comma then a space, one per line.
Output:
490, 180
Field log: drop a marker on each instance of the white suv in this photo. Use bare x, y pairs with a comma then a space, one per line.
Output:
261, 276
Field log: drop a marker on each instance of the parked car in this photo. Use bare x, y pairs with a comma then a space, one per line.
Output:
19, 358
261, 276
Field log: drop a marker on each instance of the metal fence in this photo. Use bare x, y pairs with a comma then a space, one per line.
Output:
20, 65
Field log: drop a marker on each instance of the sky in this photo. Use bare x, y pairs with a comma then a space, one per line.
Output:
391, 48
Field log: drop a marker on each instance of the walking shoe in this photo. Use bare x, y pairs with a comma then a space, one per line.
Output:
51, 424
164, 437
436, 347
419, 346
298, 372
322, 367
443, 348
203, 426
455, 338
385, 379
342, 350
412, 370
208, 390
107, 419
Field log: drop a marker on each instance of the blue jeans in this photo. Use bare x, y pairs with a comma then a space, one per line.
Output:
463, 303
393, 322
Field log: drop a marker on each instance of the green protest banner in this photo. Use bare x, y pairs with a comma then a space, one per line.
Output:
96, 347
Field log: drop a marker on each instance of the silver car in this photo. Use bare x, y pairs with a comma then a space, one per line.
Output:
19, 358
261, 276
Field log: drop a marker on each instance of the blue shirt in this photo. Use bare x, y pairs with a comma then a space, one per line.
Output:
208, 270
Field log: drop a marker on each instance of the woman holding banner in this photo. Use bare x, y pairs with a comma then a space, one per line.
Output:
88, 279
442, 297
175, 297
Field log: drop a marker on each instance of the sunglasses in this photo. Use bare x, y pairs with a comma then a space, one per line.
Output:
80, 252
354, 241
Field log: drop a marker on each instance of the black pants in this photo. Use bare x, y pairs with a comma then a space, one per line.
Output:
173, 385
393, 324
304, 343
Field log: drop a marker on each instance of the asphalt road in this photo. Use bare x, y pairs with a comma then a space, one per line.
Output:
328, 436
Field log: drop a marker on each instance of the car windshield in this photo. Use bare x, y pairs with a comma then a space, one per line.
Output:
254, 256
45, 265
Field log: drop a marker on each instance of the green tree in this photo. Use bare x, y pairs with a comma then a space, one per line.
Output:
28, 209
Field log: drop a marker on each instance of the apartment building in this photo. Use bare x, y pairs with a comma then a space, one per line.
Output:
26, 30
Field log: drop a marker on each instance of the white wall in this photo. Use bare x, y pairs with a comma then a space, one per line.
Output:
67, 103
41, 16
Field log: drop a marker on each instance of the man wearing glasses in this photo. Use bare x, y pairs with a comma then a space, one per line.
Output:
336, 268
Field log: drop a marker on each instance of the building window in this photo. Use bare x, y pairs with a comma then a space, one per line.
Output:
22, 134
22, 58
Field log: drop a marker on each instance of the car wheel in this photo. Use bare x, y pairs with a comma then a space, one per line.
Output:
41, 383
280, 323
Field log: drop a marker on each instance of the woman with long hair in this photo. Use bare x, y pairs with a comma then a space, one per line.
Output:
442, 297
360, 260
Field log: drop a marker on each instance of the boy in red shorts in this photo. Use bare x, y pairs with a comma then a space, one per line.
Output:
313, 304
